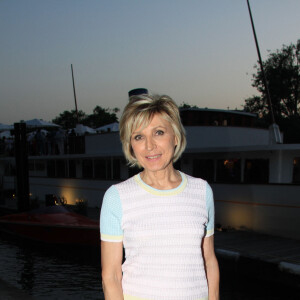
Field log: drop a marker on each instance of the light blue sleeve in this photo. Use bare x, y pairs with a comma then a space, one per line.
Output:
111, 216
210, 226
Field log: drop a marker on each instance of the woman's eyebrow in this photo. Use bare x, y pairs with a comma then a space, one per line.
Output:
158, 126
135, 132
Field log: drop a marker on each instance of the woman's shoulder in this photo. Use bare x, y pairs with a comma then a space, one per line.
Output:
124, 184
195, 180
195, 183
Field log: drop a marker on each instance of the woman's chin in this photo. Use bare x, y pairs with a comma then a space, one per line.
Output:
155, 167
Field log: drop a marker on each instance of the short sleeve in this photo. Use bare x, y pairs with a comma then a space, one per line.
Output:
111, 216
210, 226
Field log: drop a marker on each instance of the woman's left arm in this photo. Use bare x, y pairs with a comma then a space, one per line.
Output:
211, 267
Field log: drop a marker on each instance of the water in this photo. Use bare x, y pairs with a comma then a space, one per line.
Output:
51, 272
68, 273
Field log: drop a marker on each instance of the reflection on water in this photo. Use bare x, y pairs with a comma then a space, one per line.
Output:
51, 272
48, 272
27, 276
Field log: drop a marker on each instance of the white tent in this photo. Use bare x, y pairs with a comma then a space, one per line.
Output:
113, 127
5, 134
82, 129
4, 127
38, 123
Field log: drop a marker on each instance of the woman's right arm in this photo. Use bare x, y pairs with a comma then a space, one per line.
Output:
111, 262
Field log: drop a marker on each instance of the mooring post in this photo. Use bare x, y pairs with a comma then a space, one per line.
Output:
22, 176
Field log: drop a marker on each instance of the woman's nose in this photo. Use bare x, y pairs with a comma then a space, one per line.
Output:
150, 144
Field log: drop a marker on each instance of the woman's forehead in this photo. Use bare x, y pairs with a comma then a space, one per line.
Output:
153, 121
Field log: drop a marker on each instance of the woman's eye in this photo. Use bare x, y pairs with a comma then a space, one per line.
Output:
159, 132
137, 137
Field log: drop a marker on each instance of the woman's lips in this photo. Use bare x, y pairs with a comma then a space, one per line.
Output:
153, 157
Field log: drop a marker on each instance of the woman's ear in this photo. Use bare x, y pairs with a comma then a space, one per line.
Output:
176, 141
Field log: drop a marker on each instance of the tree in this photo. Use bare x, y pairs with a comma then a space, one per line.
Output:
186, 105
282, 70
68, 119
101, 116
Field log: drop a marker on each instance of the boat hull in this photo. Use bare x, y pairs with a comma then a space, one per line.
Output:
53, 226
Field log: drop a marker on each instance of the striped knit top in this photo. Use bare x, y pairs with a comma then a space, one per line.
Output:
161, 231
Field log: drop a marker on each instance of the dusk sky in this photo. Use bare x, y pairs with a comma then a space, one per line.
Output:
201, 52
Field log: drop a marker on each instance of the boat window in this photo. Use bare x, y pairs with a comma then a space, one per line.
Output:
116, 168
9, 169
51, 168
108, 168
87, 168
177, 164
256, 171
100, 168
133, 171
72, 168
60, 168
39, 165
204, 168
104, 169
228, 170
296, 170
31, 165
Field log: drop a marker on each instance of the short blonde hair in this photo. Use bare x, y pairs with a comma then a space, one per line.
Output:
139, 112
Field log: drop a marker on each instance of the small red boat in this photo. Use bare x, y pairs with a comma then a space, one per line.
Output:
54, 225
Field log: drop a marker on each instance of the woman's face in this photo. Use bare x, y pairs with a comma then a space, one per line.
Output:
154, 145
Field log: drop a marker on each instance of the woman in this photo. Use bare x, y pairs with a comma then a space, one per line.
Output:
163, 217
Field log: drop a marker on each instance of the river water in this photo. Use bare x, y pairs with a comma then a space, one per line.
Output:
71, 273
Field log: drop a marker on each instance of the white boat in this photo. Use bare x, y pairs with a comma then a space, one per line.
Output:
255, 179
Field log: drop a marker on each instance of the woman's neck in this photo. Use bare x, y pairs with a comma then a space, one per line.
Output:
166, 179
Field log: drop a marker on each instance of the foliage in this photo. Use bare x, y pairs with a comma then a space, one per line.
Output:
291, 128
68, 119
99, 117
282, 70
186, 105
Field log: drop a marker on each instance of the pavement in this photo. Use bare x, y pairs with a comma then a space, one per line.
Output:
265, 257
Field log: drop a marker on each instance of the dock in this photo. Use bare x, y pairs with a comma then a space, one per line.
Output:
265, 257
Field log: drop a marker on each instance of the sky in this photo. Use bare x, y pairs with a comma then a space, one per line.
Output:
200, 52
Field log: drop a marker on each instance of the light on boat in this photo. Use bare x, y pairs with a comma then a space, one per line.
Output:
68, 194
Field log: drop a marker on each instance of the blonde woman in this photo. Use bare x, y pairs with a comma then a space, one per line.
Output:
162, 217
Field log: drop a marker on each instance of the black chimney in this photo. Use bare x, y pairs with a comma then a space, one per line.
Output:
136, 92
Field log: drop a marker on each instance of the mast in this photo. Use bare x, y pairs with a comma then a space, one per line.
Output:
261, 67
74, 95
274, 127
